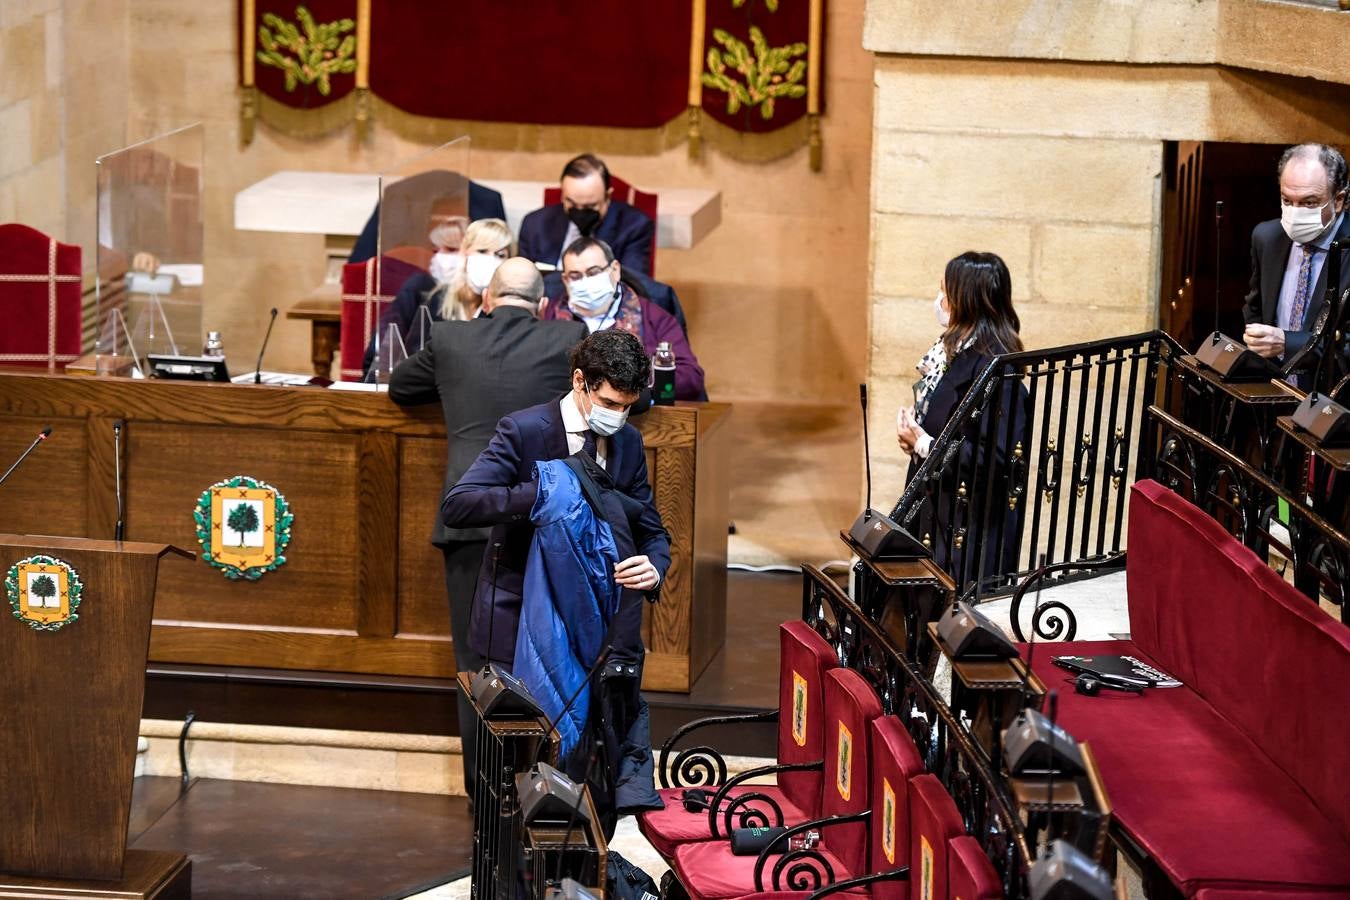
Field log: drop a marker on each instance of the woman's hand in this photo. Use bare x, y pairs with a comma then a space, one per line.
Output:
907, 430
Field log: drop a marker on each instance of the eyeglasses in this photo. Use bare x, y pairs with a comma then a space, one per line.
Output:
589, 273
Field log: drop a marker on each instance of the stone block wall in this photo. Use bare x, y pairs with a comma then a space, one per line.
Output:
32, 138
1056, 165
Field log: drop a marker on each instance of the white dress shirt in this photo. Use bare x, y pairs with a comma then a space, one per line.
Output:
575, 425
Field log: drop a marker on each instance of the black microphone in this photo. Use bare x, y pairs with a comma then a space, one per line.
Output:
1050, 769
257, 372
120, 528
492, 603
42, 436
1031, 644
867, 449
1218, 263
590, 676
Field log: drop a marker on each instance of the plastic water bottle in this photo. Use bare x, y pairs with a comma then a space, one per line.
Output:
663, 375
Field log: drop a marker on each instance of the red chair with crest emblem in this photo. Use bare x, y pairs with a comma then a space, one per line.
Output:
804, 659
39, 299
709, 870
934, 820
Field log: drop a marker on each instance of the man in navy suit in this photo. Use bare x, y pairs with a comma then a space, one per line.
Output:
587, 210
609, 370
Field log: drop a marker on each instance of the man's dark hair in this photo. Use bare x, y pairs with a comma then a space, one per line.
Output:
614, 356
585, 164
582, 244
1330, 158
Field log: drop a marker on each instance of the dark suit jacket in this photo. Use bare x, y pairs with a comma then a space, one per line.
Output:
499, 490
626, 229
984, 458
484, 203
479, 371
1270, 256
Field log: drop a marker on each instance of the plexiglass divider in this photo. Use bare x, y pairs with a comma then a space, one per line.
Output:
149, 254
424, 210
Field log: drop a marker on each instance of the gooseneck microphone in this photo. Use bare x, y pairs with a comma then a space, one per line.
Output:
257, 372
42, 436
120, 528
1218, 264
492, 602
590, 676
867, 450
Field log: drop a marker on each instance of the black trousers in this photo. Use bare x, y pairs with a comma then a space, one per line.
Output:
462, 562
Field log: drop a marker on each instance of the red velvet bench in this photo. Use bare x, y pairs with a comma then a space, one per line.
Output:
1235, 784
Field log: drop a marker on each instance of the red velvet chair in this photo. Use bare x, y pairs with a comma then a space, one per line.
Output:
1237, 777
933, 821
39, 299
622, 190
804, 658
362, 305
708, 869
970, 874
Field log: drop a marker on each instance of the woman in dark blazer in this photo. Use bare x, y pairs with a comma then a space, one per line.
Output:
974, 308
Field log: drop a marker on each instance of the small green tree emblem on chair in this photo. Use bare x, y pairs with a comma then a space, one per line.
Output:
44, 588
244, 520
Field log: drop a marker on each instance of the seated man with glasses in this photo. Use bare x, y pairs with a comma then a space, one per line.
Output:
598, 294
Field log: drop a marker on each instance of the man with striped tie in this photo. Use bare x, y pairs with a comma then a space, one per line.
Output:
1286, 303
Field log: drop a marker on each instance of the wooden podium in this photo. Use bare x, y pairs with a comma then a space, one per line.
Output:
70, 707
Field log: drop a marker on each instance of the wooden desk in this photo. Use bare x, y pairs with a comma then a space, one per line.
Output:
362, 590
323, 310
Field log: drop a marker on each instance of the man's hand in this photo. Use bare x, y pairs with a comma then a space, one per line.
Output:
1265, 340
637, 573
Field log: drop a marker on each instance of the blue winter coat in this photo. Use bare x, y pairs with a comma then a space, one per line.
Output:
568, 601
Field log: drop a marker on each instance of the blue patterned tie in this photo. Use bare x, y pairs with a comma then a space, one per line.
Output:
1304, 290
588, 445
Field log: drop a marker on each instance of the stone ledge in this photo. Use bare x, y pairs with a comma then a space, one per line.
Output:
1246, 34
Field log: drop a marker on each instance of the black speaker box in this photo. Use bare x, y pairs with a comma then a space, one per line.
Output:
501, 695
1067, 873
547, 795
1233, 361
881, 538
1325, 420
1034, 746
970, 634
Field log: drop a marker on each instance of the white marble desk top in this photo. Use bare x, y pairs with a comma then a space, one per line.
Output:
339, 203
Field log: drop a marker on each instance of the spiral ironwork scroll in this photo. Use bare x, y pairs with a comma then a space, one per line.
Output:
806, 869
750, 816
700, 766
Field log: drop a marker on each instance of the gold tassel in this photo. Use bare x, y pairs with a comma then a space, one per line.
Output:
248, 113
814, 141
695, 133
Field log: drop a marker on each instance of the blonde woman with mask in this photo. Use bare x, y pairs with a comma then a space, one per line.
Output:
453, 291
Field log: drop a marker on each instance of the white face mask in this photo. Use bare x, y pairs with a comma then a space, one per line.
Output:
944, 318
1303, 225
479, 269
604, 422
444, 265
590, 296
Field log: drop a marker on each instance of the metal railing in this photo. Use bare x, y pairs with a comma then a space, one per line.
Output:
1036, 461
945, 744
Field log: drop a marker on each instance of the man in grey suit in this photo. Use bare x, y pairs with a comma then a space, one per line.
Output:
479, 371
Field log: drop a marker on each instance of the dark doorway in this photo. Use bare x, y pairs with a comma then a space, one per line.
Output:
1197, 173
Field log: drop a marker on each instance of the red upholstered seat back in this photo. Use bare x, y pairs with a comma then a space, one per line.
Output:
933, 819
804, 658
970, 874
895, 760
641, 200
362, 304
850, 707
39, 298
1257, 650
